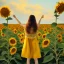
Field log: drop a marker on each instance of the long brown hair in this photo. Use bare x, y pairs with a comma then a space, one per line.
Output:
31, 24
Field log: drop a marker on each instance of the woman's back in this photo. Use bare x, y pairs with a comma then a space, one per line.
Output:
32, 34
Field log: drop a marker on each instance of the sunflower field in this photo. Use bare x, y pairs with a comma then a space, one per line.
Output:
51, 40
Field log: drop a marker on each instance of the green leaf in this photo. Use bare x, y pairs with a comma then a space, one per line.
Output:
7, 31
46, 50
61, 62
17, 56
9, 18
12, 58
2, 58
17, 62
60, 45
3, 53
59, 28
54, 24
48, 58
56, 15
5, 24
4, 30
2, 42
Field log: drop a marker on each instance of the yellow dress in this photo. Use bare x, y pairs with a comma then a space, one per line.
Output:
31, 47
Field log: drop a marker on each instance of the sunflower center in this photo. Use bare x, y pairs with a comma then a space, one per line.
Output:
46, 42
39, 34
15, 31
45, 30
13, 50
2, 34
21, 39
59, 36
22, 34
12, 41
44, 36
19, 35
59, 40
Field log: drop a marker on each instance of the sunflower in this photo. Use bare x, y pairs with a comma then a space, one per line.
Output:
62, 32
19, 35
21, 40
45, 30
2, 34
44, 35
15, 31
13, 50
60, 7
22, 35
59, 36
50, 29
45, 43
5, 12
39, 35
60, 40
12, 41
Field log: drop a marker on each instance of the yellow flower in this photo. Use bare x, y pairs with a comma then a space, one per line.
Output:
2, 34
45, 43
21, 35
60, 40
44, 35
5, 12
39, 35
13, 50
60, 7
15, 31
12, 41
45, 30
21, 40
59, 36
50, 29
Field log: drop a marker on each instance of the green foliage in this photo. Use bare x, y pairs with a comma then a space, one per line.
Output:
54, 24
48, 58
46, 51
9, 18
52, 53
5, 24
5, 56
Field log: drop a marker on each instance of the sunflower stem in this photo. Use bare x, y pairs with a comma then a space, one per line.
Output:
7, 20
56, 15
8, 55
55, 49
8, 45
56, 19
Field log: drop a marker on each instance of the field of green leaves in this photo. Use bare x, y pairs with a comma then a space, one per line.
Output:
51, 42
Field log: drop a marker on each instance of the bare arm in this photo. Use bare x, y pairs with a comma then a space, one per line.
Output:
18, 21
40, 20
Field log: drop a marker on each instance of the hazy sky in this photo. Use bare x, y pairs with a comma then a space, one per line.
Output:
23, 8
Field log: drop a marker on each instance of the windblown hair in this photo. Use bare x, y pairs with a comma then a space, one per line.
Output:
31, 24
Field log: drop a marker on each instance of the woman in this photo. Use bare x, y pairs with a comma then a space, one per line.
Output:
30, 47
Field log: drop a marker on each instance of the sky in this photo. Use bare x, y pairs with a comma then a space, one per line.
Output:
24, 8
